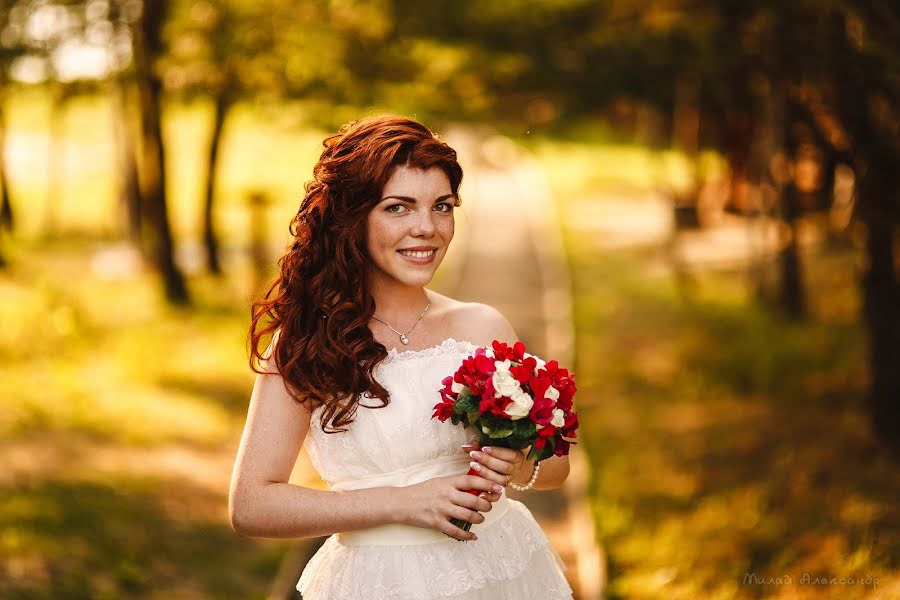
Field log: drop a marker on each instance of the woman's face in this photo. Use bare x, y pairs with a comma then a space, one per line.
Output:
410, 229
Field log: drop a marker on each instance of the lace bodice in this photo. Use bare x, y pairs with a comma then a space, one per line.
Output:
400, 435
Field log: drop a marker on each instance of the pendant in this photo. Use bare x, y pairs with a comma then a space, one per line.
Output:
404, 339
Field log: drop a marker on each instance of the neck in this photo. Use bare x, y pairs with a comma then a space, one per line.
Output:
398, 304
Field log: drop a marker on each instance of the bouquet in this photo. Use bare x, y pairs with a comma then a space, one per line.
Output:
514, 400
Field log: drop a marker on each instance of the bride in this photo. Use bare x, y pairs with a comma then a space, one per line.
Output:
358, 349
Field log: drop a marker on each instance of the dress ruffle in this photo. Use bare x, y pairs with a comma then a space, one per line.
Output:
511, 560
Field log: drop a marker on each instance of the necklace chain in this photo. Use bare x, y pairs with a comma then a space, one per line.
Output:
403, 338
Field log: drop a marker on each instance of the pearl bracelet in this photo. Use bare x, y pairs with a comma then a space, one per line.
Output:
527, 486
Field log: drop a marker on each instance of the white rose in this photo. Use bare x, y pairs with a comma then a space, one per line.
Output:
505, 384
552, 394
520, 406
489, 352
559, 417
457, 387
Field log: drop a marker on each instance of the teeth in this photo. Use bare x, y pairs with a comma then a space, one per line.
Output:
417, 254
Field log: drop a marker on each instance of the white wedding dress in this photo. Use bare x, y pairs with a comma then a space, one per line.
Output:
401, 445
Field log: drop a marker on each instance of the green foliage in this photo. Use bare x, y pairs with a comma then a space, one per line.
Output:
723, 440
496, 427
119, 421
465, 408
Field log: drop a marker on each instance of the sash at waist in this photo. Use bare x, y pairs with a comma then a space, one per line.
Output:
406, 535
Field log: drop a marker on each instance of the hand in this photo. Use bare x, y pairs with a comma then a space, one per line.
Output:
432, 503
499, 465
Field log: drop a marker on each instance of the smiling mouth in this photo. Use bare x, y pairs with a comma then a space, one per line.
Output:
417, 253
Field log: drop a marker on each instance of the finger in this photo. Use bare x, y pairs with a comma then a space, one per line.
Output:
491, 474
490, 498
479, 503
472, 444
464, 514
502, 466
508, 454
476, 482
455, 532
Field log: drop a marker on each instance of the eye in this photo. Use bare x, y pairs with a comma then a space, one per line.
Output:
443, 207
395, 208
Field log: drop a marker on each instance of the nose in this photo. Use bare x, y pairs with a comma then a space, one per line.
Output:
423, 224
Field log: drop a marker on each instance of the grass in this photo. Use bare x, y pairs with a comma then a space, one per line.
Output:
730, 448
120, 422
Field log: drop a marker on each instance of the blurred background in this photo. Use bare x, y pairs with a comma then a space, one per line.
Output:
712, 196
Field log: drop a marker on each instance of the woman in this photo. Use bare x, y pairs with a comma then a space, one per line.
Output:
359, 347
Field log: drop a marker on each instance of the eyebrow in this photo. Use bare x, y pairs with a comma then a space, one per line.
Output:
413, 200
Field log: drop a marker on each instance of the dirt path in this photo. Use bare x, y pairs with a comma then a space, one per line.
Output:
510, 255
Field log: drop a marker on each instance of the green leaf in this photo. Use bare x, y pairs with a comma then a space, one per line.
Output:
465, 404
496, 432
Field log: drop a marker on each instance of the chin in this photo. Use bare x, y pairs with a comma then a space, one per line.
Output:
417, 280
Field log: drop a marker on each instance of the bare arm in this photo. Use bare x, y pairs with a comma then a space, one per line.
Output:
262, 503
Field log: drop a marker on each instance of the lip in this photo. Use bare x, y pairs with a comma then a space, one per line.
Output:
418, 249
419, 261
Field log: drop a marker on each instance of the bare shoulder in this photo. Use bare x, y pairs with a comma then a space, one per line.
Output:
476, 322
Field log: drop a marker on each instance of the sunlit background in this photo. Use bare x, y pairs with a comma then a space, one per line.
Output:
709, 192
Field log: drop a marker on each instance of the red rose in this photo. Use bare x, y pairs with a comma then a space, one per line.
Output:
543, 435
443, 411
518, 351
490, 404
562, 447
447, 390
484, 366
524, 372
501, 351
566, 387
571, 425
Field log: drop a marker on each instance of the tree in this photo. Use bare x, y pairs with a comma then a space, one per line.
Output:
148, 48
770, 79
864, 91
236, 51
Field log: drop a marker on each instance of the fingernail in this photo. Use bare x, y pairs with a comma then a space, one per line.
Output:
487, 449
498, 488
482, 495
475, 465
474, 454
474, 537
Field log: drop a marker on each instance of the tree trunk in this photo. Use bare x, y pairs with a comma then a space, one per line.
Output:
879, 195
224, 102
686, 139
129, 186
793, 297
878, 206
7, 221
148, 46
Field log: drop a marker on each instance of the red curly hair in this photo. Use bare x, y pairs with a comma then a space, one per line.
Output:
320, 304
